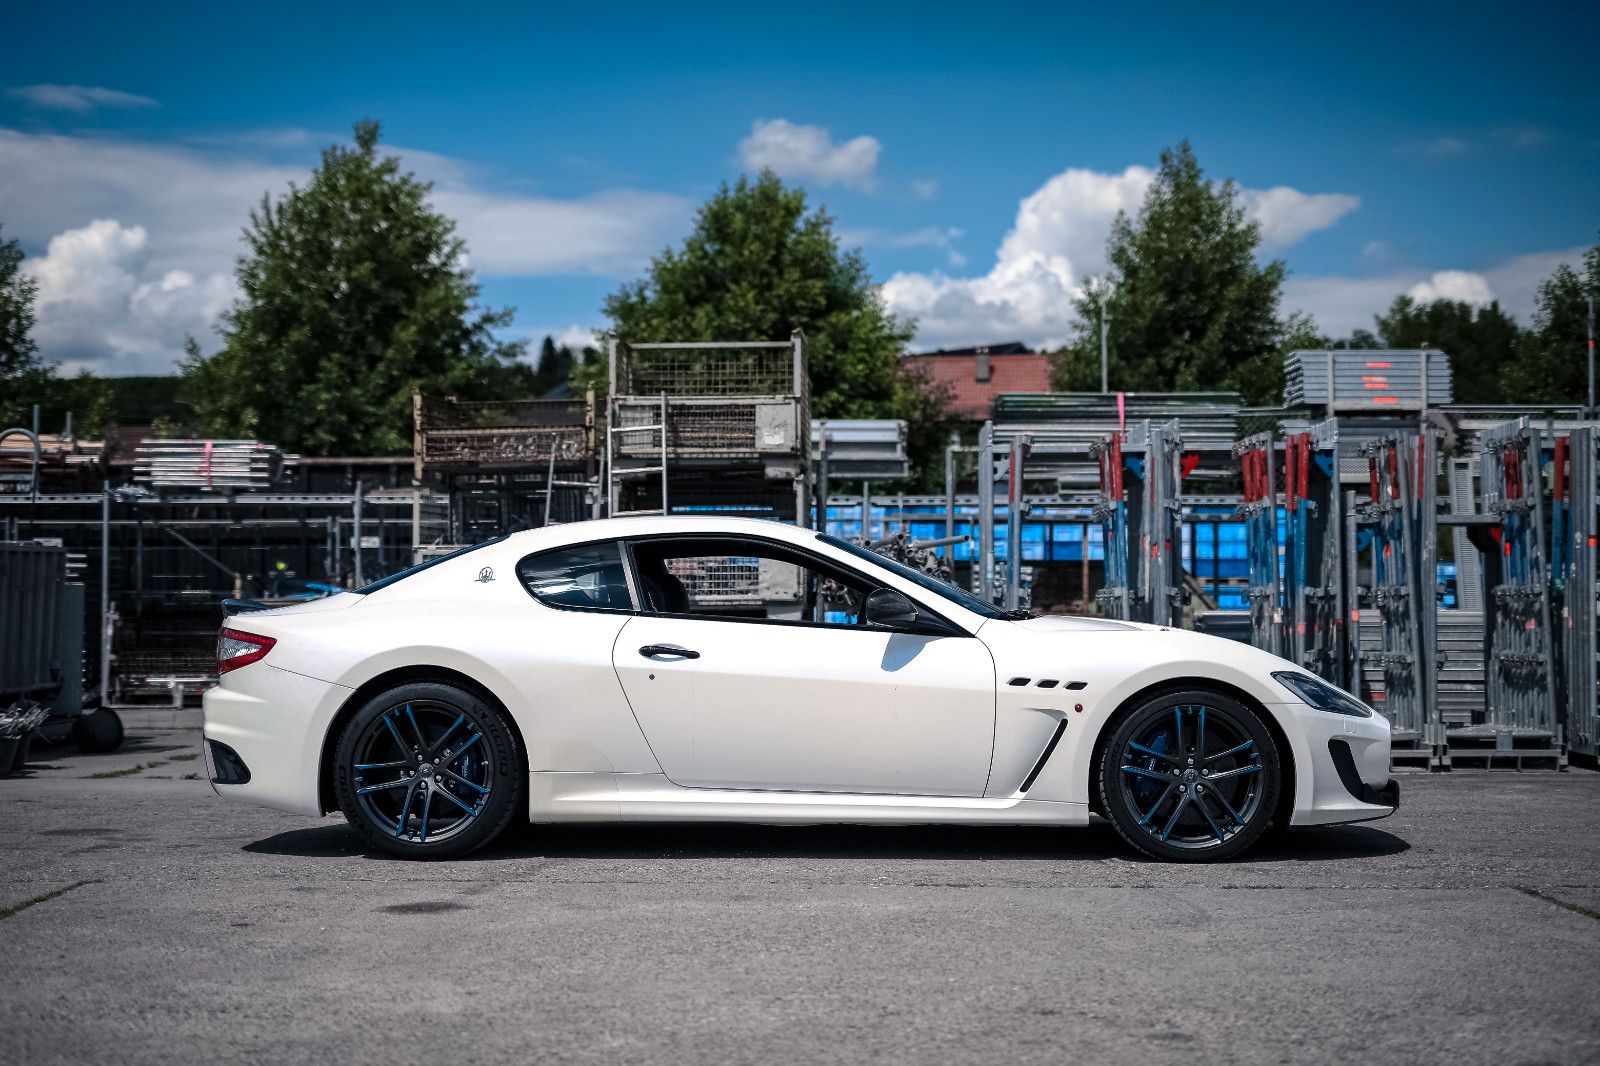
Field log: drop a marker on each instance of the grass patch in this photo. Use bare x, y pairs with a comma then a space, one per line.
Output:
18, 908
129, 772
152, 765
160, 777
191, 777
186, 758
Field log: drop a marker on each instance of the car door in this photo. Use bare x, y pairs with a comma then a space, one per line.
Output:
759, 686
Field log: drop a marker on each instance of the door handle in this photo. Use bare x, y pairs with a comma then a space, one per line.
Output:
650, 651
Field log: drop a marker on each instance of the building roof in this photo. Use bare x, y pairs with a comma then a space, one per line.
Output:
977, 375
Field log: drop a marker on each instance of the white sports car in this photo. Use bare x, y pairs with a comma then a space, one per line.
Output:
723, 669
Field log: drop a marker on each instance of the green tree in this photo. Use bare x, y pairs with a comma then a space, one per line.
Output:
1481, 341
554, 368
1552, 363
24, 379
758, 265
354, 293
1192, 309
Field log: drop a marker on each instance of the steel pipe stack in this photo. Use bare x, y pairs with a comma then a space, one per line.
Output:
212, 465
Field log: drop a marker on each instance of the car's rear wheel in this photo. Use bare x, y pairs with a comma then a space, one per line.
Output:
1190, 777
429, 771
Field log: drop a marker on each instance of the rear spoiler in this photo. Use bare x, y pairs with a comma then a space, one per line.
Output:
231, 607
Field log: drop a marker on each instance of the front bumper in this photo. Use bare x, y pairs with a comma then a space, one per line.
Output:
1341, 766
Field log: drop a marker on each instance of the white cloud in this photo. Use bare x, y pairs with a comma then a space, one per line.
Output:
1288, 215
1341, 305
103, 304
190, 206
78, 98
924, 188
1461, 285
796, 151
1057, 241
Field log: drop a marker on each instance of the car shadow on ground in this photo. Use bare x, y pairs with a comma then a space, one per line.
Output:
1095, 843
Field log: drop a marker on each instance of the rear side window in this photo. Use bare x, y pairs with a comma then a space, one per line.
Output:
583, 577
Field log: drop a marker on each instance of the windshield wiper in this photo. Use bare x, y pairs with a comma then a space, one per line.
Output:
1020, 615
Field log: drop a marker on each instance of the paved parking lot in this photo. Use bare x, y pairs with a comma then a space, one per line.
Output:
1464, 929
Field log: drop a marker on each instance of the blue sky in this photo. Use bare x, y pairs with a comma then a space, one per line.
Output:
975, 152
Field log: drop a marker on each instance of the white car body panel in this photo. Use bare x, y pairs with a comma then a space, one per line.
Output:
775, 723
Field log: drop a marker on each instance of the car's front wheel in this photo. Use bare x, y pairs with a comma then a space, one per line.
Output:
1190, 777
429, 771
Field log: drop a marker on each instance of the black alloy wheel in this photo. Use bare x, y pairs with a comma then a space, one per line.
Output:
429, 770
1190, 777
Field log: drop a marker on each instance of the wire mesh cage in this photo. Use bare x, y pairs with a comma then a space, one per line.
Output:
502, 433
733, 368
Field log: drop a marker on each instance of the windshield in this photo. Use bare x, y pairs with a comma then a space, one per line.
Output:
931, 584
385, 582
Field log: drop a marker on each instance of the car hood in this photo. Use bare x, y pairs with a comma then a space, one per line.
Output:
1071, 623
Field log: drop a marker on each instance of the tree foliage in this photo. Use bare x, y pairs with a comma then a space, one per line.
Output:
354, 293
758, 265
554, 368
1481, 341
1552, 363
1192, 309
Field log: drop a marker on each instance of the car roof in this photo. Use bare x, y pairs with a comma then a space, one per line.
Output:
654, 525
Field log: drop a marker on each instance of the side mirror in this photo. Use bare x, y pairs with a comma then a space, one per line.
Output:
890, 610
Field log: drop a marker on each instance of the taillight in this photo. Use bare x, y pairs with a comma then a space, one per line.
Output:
236, 649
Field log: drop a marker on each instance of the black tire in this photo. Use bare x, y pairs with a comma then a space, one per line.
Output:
98, 732
1158, 774
468, 761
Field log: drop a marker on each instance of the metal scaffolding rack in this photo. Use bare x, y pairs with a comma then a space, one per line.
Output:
1141, 511
1576, 492
500, 465
708, 426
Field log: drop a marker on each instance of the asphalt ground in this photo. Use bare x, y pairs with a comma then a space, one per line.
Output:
1464, 929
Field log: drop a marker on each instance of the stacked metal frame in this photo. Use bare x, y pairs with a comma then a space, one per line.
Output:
1257, 455
1520, 727
502, 465
1577, 497
1141, 512
709, 426
1390, 380
1402, 486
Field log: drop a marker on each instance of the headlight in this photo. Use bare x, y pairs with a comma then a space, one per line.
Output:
1321, 695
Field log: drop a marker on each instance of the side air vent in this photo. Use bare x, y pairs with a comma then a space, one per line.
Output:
1018, 682
1044, 756
1049, 682
1076, 685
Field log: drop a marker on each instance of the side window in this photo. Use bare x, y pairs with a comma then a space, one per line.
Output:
734, 579
585, 576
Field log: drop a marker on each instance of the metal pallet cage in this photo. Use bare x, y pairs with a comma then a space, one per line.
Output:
685, 419
1141, 510
1577, 565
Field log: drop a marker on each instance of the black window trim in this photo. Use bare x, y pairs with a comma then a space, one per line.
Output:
939, 627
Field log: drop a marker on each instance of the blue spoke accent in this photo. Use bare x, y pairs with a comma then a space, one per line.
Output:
427, 806
405, 811
438, 745
1139, 771
458, 752
1157, 804
458, 779
1246, 746
1177, 716
383, 788
1166, 830
394, 732
1220, 798
422, 745
1236, 772
1200, 803
1200, 736
453, 799
1153, 753
382, 765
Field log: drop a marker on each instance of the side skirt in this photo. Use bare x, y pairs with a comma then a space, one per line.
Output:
603, 797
